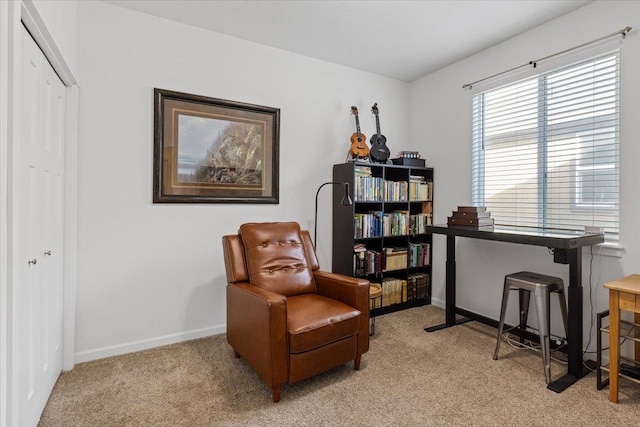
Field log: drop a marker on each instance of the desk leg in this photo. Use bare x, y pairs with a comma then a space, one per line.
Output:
450, 289
450, 304
614, 344
575, 368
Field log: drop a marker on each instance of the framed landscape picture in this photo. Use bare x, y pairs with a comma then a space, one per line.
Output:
209, 150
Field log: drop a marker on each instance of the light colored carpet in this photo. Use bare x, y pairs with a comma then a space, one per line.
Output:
408, 378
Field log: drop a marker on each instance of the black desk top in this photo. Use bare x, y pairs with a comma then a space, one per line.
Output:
552, 238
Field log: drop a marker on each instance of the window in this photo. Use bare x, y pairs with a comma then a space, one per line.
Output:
546, 149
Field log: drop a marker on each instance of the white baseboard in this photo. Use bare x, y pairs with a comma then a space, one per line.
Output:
438, 303
101, 353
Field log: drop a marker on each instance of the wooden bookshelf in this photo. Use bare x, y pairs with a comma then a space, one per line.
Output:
383, 236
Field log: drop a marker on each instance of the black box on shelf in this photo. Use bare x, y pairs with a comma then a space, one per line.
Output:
405, 161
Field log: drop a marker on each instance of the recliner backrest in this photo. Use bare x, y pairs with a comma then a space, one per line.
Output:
276, 258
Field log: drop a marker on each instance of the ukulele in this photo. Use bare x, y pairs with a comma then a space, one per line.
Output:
379, 150
359, 148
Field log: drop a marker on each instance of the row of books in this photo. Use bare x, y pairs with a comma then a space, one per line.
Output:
368, 224
394, 259
419, 254
367, 261
417, 286
370, 188
418, 223
396, 223
420, 188
396, 291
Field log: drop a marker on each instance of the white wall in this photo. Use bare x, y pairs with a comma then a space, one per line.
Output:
151, 274
440, 126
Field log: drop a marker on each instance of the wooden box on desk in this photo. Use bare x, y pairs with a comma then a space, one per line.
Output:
469, 221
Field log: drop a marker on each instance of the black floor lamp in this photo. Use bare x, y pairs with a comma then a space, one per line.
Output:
346, 201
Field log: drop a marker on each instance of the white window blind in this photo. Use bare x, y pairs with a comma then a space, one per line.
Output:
546, 149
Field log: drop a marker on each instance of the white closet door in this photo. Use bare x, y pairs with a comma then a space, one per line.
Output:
37, 324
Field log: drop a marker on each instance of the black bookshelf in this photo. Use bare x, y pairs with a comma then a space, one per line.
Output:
392, 207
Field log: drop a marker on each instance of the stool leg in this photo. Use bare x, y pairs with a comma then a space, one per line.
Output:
542, 308
524, 296
503, 311
563, 311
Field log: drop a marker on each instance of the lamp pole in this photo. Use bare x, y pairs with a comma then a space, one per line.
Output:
346, 201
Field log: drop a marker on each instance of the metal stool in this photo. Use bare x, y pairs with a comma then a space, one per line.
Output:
541, 286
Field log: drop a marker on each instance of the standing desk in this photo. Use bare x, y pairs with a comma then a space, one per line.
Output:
566, 246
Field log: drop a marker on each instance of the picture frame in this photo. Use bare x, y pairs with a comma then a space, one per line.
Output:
210, 150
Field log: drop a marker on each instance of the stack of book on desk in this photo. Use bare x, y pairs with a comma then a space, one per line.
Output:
471, 216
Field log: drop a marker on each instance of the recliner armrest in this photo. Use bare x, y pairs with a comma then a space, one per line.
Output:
257, 330
349, 290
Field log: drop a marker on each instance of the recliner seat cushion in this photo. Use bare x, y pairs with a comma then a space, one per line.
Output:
276, 258
314, 321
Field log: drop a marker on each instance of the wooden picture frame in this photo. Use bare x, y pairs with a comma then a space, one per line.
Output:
209, 150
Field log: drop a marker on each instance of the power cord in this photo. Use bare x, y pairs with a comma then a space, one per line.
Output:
514, 341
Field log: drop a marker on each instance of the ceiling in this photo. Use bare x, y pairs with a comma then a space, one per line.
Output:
404, 40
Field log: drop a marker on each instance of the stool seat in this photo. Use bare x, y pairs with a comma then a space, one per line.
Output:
375, 290
532, 281
526, 282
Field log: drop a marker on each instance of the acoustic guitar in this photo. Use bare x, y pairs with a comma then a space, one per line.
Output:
359, 148
379, 151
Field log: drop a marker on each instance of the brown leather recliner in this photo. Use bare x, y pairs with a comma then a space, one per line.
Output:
287, 319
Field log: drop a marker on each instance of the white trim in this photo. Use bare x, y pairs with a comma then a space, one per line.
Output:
610, 249
9, 79
437, 303
146, 344
70, 236
6, 9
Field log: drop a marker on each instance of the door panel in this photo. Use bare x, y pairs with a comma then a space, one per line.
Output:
37, 329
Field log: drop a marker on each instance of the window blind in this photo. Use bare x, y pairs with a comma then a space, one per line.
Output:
546, 149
